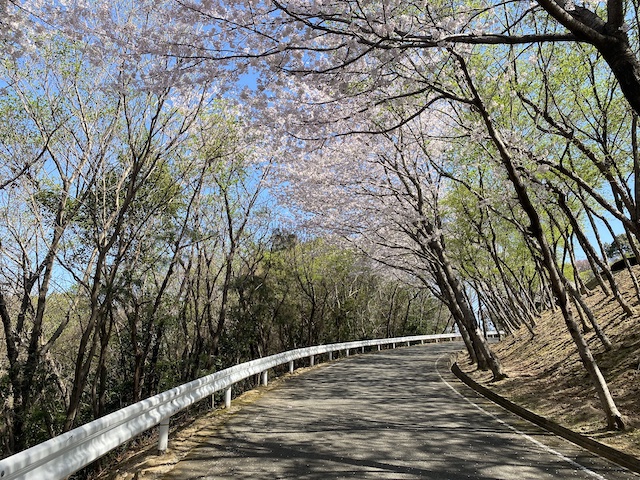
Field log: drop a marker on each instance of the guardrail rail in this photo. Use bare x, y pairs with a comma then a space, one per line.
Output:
65, 454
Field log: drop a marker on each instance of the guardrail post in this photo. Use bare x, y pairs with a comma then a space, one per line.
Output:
421, 342
312, 360
362, 349
265, 377
213, 401
393, 345
408, 344
330, 356
291, 367
227, 398
163, 436
378, 347
346, 352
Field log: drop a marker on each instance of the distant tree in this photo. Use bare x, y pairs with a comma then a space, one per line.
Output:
583, 265
618, 247
317, 291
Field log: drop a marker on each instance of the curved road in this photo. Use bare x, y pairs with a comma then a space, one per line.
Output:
397, 414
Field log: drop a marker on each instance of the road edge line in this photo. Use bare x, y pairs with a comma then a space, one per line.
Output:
616, 456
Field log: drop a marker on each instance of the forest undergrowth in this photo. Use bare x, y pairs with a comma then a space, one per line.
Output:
546, 376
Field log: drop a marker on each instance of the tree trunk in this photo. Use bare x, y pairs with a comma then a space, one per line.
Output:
613, 416
486, 358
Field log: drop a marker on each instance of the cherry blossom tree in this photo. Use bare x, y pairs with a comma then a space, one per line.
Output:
334, 69
384, 194
307, 36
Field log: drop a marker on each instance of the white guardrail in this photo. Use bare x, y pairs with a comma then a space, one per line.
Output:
65, 454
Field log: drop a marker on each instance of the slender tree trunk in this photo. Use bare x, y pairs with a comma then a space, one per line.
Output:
635, 215
456, 314
486, 358
614, 418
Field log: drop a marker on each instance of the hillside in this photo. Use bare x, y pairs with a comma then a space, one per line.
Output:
546, 376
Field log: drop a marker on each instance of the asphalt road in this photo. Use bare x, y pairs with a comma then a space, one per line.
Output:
397, 414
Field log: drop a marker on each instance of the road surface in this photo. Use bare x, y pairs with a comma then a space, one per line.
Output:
396, 414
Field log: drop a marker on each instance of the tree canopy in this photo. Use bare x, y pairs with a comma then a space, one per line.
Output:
438, 164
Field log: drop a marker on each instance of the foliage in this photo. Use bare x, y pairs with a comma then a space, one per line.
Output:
620, 246
464, 148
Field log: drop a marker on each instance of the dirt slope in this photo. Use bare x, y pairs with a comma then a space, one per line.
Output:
547, 377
